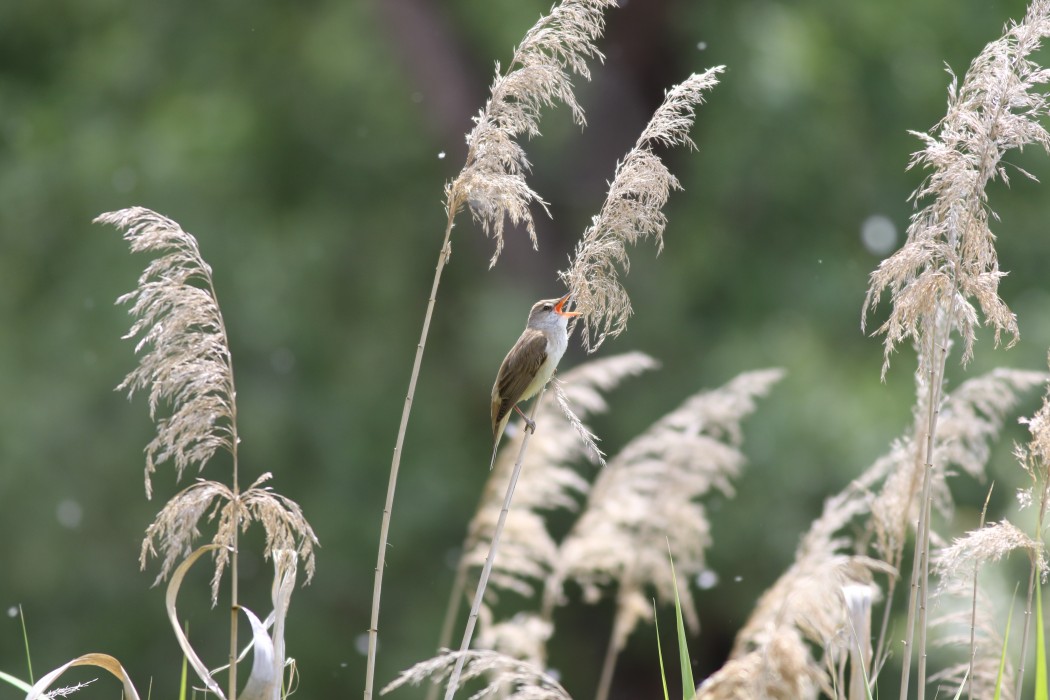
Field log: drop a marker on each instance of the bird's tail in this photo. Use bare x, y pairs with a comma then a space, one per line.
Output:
495, 448
497, 435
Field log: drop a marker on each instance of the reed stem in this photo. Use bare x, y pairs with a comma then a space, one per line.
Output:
384, 530
479, 593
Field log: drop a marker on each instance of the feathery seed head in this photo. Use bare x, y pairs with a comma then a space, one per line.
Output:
632, 211
949, 261
185, 358
646, 499
492, 182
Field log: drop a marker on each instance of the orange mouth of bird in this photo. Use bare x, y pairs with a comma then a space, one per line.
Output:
559, 308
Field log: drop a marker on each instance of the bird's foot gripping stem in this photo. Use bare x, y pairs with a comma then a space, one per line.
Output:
530, 424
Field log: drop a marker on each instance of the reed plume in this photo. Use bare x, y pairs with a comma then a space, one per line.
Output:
187, 368
646, 501
1034, 458
523, 636
632, 211
185, 358
781, 669
771, 656
507, 677
966, 620
949, 261
492, 183
806, 604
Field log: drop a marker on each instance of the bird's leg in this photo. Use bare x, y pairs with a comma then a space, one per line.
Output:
530, 424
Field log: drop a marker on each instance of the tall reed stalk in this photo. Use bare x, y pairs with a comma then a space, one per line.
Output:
395, 464
946, 276
492, 185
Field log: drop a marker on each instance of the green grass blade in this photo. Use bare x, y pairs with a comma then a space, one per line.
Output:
26, 687
185, 668
688, 686
660, 653
25, 640
1040, 642
1006, 643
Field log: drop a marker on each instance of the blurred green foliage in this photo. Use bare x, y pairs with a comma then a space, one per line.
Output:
306, 146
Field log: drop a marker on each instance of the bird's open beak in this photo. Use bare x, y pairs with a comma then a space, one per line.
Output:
559, 308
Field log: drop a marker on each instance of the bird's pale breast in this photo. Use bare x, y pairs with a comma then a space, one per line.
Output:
556, 345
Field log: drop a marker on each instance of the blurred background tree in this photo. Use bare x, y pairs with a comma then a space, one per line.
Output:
306, 146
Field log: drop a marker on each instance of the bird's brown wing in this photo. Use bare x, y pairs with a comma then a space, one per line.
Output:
516, 373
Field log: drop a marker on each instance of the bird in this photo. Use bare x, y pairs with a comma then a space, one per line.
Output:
530, 363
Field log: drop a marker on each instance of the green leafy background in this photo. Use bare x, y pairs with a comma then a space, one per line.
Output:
306, 146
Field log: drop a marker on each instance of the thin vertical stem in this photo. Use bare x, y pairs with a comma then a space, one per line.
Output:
451, 612
479, 593
384, 530
1043, 501
924, 590
612, 653
920, 562
233, 609
880, 655
973, 608
1024, 632
235, 487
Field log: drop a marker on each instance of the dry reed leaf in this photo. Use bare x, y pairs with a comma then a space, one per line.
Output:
264, 681
269, 660
103, 661
169, 602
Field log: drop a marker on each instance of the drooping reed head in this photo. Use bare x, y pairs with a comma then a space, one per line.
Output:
646, 499
949, 259
505, 676
808, 603
185, 357
633, 210
185, 362
492, 183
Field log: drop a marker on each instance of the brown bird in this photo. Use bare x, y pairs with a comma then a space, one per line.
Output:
530, 363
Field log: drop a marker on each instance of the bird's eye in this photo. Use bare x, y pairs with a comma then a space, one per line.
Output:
547, 307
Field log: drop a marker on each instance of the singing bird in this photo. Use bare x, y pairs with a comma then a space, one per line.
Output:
530, 363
